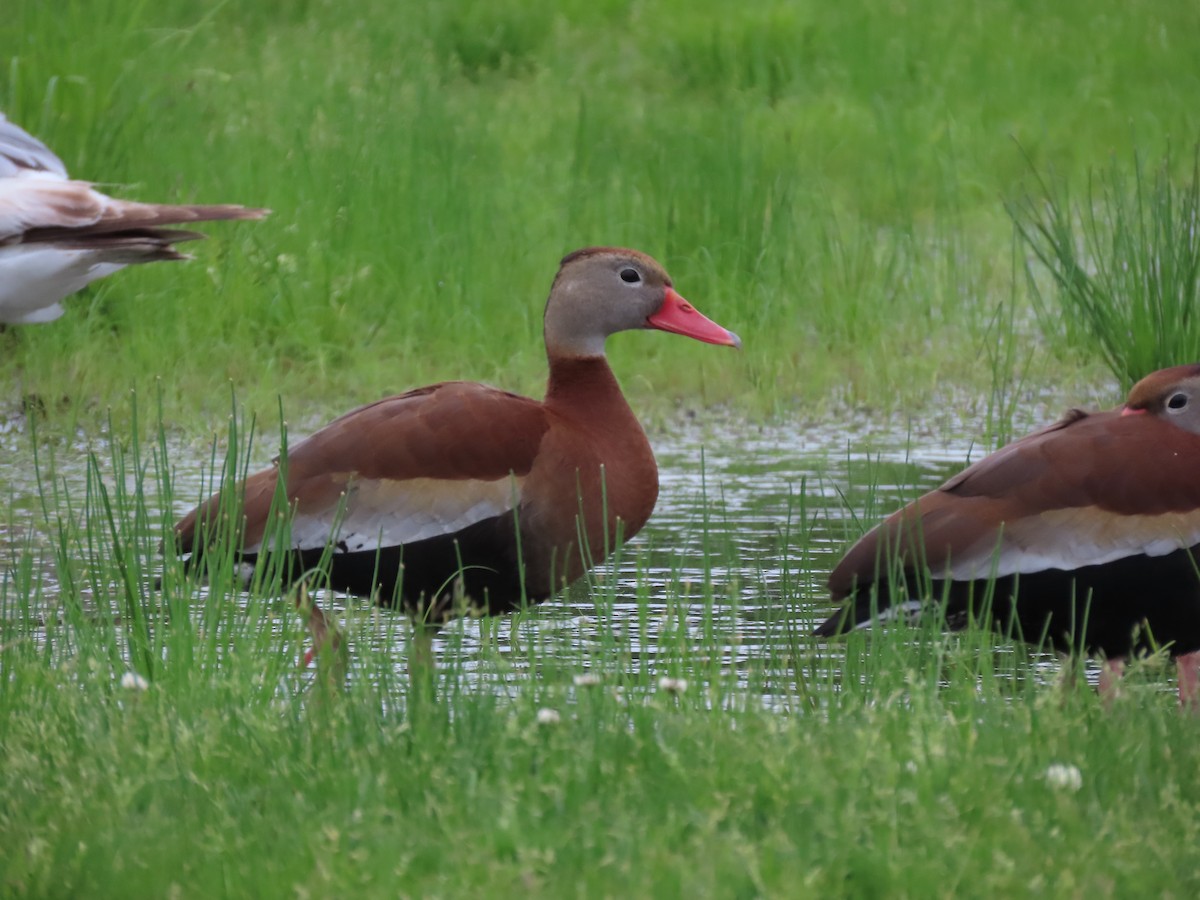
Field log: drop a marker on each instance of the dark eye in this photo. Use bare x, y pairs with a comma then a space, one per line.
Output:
630, 276
1177, 401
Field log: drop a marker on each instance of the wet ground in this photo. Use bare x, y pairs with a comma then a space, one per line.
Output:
750, 519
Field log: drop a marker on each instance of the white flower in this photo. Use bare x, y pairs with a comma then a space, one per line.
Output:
1064, 777
672, 685
587, 679
547, 716
132, 681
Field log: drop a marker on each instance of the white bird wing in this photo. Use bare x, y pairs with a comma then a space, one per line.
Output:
21, 154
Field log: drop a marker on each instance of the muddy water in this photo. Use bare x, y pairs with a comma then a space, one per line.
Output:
749, 521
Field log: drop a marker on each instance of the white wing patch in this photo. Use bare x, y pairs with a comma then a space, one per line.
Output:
379, 513
1069, 539
908, 611
41, 201
34, 277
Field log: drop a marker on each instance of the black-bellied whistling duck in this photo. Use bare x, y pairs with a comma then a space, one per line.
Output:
1089, 529
461, 494
58, 235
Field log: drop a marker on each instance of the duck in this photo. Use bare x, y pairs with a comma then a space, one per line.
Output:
462, 498
1083, 535
57, 235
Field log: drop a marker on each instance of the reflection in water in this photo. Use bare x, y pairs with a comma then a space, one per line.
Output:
749, 522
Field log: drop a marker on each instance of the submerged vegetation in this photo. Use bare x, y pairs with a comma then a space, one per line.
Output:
830, 181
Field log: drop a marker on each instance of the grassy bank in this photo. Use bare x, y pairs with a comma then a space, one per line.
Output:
673, 732
214, 787
826, 180
161, 740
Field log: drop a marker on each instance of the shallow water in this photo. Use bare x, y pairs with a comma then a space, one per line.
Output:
750, 519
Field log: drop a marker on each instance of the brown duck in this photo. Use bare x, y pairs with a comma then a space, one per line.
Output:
459, 495
1089, 530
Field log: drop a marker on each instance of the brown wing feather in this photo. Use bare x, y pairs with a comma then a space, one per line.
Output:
1087, 489
32, 203
457, 433
48, 210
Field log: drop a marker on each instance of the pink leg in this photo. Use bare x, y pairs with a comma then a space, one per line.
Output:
1111, 672
1188, 667
319, 626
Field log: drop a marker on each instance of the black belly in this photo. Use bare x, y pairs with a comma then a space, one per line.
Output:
436, 579
1131, 605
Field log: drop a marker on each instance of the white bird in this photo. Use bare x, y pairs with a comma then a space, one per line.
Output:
57, 235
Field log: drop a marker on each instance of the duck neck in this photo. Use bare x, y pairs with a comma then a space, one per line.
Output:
584, 388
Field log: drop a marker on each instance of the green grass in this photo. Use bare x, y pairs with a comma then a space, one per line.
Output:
215, 788
898, 763
828, 180
1124, 265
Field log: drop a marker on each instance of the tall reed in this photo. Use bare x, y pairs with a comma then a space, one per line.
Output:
1123, 263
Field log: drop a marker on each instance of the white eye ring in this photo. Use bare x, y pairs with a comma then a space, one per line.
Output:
1177, 402
630, 275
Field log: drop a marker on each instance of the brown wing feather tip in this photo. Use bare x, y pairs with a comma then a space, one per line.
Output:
134, 248
83, 239
226, 211
171, 214
133, 256
171, 235
154, 224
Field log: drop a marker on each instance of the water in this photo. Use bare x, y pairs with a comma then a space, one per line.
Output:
750, 520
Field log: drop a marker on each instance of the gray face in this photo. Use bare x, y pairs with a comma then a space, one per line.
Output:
1172, 395
1180, 405
599, 292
